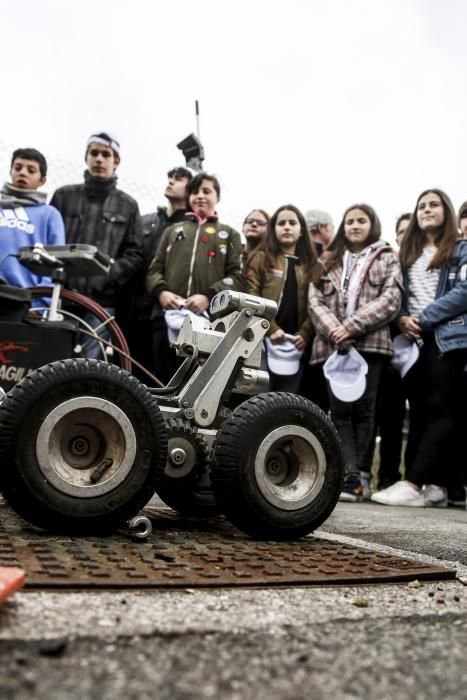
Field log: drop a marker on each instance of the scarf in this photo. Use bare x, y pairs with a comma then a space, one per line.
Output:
96, 187
12, 197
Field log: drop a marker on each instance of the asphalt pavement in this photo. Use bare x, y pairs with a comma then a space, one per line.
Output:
370, 641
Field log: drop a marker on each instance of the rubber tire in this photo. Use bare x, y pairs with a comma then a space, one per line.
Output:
182, 494
24, 410
235, 454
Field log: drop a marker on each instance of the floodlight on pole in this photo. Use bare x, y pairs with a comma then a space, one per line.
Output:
192, 148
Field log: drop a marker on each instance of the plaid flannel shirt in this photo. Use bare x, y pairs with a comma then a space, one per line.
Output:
378, 302
113, 225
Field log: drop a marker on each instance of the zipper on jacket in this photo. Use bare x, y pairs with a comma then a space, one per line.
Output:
192, 263
283, 281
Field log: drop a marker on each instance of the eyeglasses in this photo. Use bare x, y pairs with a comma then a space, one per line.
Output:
94, 152
258, 222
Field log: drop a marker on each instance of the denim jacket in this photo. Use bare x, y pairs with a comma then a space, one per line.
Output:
447, 314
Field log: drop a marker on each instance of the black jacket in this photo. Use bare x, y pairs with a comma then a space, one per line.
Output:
110, 220
139, 303
154, 225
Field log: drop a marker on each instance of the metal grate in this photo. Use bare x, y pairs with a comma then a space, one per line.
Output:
189, 552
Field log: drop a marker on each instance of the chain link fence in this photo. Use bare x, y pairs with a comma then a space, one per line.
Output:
61, 172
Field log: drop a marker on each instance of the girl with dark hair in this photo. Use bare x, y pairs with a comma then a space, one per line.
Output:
402, 225
280, 269
356, 291
433, 315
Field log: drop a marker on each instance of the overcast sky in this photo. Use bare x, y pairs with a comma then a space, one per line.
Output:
321, 103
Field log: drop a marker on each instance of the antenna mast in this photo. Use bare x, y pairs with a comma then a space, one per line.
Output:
198, 130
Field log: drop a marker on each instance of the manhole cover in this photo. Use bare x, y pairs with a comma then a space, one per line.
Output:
188, 552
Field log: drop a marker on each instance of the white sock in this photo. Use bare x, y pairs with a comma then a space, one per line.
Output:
365, 479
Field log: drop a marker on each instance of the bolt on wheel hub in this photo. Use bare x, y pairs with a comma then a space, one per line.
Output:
177, 456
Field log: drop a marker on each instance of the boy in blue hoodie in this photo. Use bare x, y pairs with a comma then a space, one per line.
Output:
25, 218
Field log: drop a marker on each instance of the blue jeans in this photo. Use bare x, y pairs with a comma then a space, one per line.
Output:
92, 349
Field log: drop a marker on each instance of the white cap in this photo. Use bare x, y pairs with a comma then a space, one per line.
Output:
174, 319
346, 374
106, 139
283, 358
406, 354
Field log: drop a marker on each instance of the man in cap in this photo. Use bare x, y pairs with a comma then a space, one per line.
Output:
321, 228
135, 316
97, 213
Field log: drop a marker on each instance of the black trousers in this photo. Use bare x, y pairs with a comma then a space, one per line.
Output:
434, 388
390, 414
165, 359
355, 421
313, 385
138, 333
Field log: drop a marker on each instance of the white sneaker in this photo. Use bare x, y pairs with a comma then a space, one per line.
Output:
400, 494
435, 496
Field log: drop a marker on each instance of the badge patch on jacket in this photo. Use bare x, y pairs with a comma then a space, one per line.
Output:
277, 273
458, 321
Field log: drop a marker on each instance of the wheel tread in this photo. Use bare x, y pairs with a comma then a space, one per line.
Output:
15, 411
230, 475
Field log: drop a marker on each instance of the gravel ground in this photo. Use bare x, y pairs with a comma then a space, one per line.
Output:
379, 641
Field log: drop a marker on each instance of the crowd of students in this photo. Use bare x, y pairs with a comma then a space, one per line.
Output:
360, 327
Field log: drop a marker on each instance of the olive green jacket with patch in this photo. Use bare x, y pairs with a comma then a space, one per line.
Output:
194, 258
270, 285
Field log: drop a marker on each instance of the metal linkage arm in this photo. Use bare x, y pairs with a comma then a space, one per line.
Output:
204, 391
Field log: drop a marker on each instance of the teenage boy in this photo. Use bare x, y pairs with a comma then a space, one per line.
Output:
97, 213
25, 218
135, 315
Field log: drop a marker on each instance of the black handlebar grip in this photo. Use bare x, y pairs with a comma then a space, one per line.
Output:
103, 258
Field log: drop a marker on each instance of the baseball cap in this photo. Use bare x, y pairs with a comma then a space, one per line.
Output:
316, 217
406, 354
174, 319
346, 374
283, 358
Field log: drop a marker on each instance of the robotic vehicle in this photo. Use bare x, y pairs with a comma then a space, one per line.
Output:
84, 445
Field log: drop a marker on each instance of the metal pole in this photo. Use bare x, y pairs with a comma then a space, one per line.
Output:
198, 131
